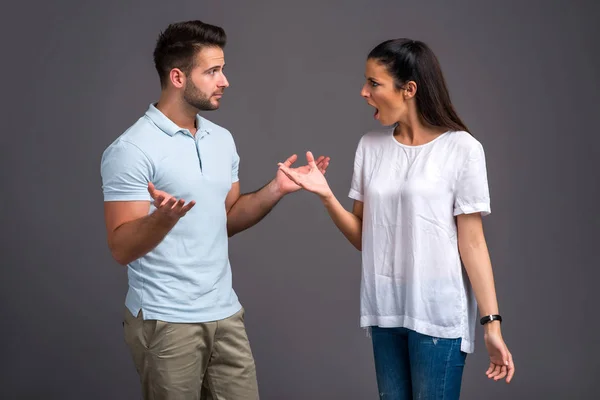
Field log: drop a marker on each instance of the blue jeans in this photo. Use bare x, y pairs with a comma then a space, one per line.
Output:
409, 365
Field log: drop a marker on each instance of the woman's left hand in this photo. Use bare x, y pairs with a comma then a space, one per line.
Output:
311, 178
501, 361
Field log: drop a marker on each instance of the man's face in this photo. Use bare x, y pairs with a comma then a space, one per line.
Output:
206, 82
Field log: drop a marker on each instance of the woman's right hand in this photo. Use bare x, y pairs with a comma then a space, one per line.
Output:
313, 180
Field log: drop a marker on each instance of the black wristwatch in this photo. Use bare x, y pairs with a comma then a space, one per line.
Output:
490, 318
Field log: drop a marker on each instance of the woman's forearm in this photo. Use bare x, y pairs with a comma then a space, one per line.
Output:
348, 223
476, 259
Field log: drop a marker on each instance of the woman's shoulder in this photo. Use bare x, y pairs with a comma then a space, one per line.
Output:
464, 141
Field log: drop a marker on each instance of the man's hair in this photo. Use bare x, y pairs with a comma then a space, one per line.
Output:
178, 45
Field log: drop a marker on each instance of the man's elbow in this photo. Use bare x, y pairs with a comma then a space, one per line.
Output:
231, 227
230, 231
120, 258
118, 255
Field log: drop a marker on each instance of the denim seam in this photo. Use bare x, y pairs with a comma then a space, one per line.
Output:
446, 369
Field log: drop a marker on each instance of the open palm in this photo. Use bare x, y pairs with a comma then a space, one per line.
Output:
288, 185
309, 177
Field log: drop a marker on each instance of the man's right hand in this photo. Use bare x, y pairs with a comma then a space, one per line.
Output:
167, 205
311, 178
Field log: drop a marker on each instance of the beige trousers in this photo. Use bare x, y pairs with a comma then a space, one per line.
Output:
207, 361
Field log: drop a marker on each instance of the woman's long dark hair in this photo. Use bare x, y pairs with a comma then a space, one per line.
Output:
412, 60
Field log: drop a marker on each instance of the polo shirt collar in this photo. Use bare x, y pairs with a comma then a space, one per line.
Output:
169, 127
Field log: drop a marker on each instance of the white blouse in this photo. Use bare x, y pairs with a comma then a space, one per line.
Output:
412, 275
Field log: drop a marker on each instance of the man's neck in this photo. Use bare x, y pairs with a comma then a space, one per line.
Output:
182, 115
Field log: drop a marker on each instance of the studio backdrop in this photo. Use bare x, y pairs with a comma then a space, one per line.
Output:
522, 75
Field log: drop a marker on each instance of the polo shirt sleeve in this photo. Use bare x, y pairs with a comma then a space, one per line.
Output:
235, 164
126, 171
471, 190
356, 186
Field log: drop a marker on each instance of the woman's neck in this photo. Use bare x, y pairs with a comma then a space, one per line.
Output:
414, 132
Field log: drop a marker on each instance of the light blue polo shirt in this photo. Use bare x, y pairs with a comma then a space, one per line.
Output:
187, 277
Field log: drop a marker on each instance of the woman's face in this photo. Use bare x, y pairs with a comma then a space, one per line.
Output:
380, 92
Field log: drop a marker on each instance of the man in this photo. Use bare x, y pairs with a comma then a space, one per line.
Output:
172, 198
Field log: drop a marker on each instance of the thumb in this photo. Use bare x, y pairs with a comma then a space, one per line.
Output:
505, 356
290, 160
311, 159
290, 174
151, 189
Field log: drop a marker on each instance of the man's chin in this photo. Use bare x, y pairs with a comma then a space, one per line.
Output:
209, 107
215, 104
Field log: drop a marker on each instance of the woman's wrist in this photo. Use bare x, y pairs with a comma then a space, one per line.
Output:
326, 197
492, 327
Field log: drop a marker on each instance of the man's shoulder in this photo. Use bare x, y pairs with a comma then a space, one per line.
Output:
137, 138
141, 133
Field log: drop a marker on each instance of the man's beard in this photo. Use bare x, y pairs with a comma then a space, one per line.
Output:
195, 98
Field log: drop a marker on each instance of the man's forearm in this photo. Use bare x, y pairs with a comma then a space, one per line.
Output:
250, 208
135, 239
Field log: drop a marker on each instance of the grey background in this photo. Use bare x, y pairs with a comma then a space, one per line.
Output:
523, 75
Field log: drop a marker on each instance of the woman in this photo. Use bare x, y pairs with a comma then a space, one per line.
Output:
419, 189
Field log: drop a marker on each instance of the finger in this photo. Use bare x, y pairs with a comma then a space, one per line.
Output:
511, 369
497, 370
324, 166
319, 161
151, 189
503, 369
511, 373
293, 178
178, 205
292, 159
310, 159
158, 202
504, 352
189, 206
169, 203
490, 369
285, 168
289, 173
165, 202
323, 159
502, 373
